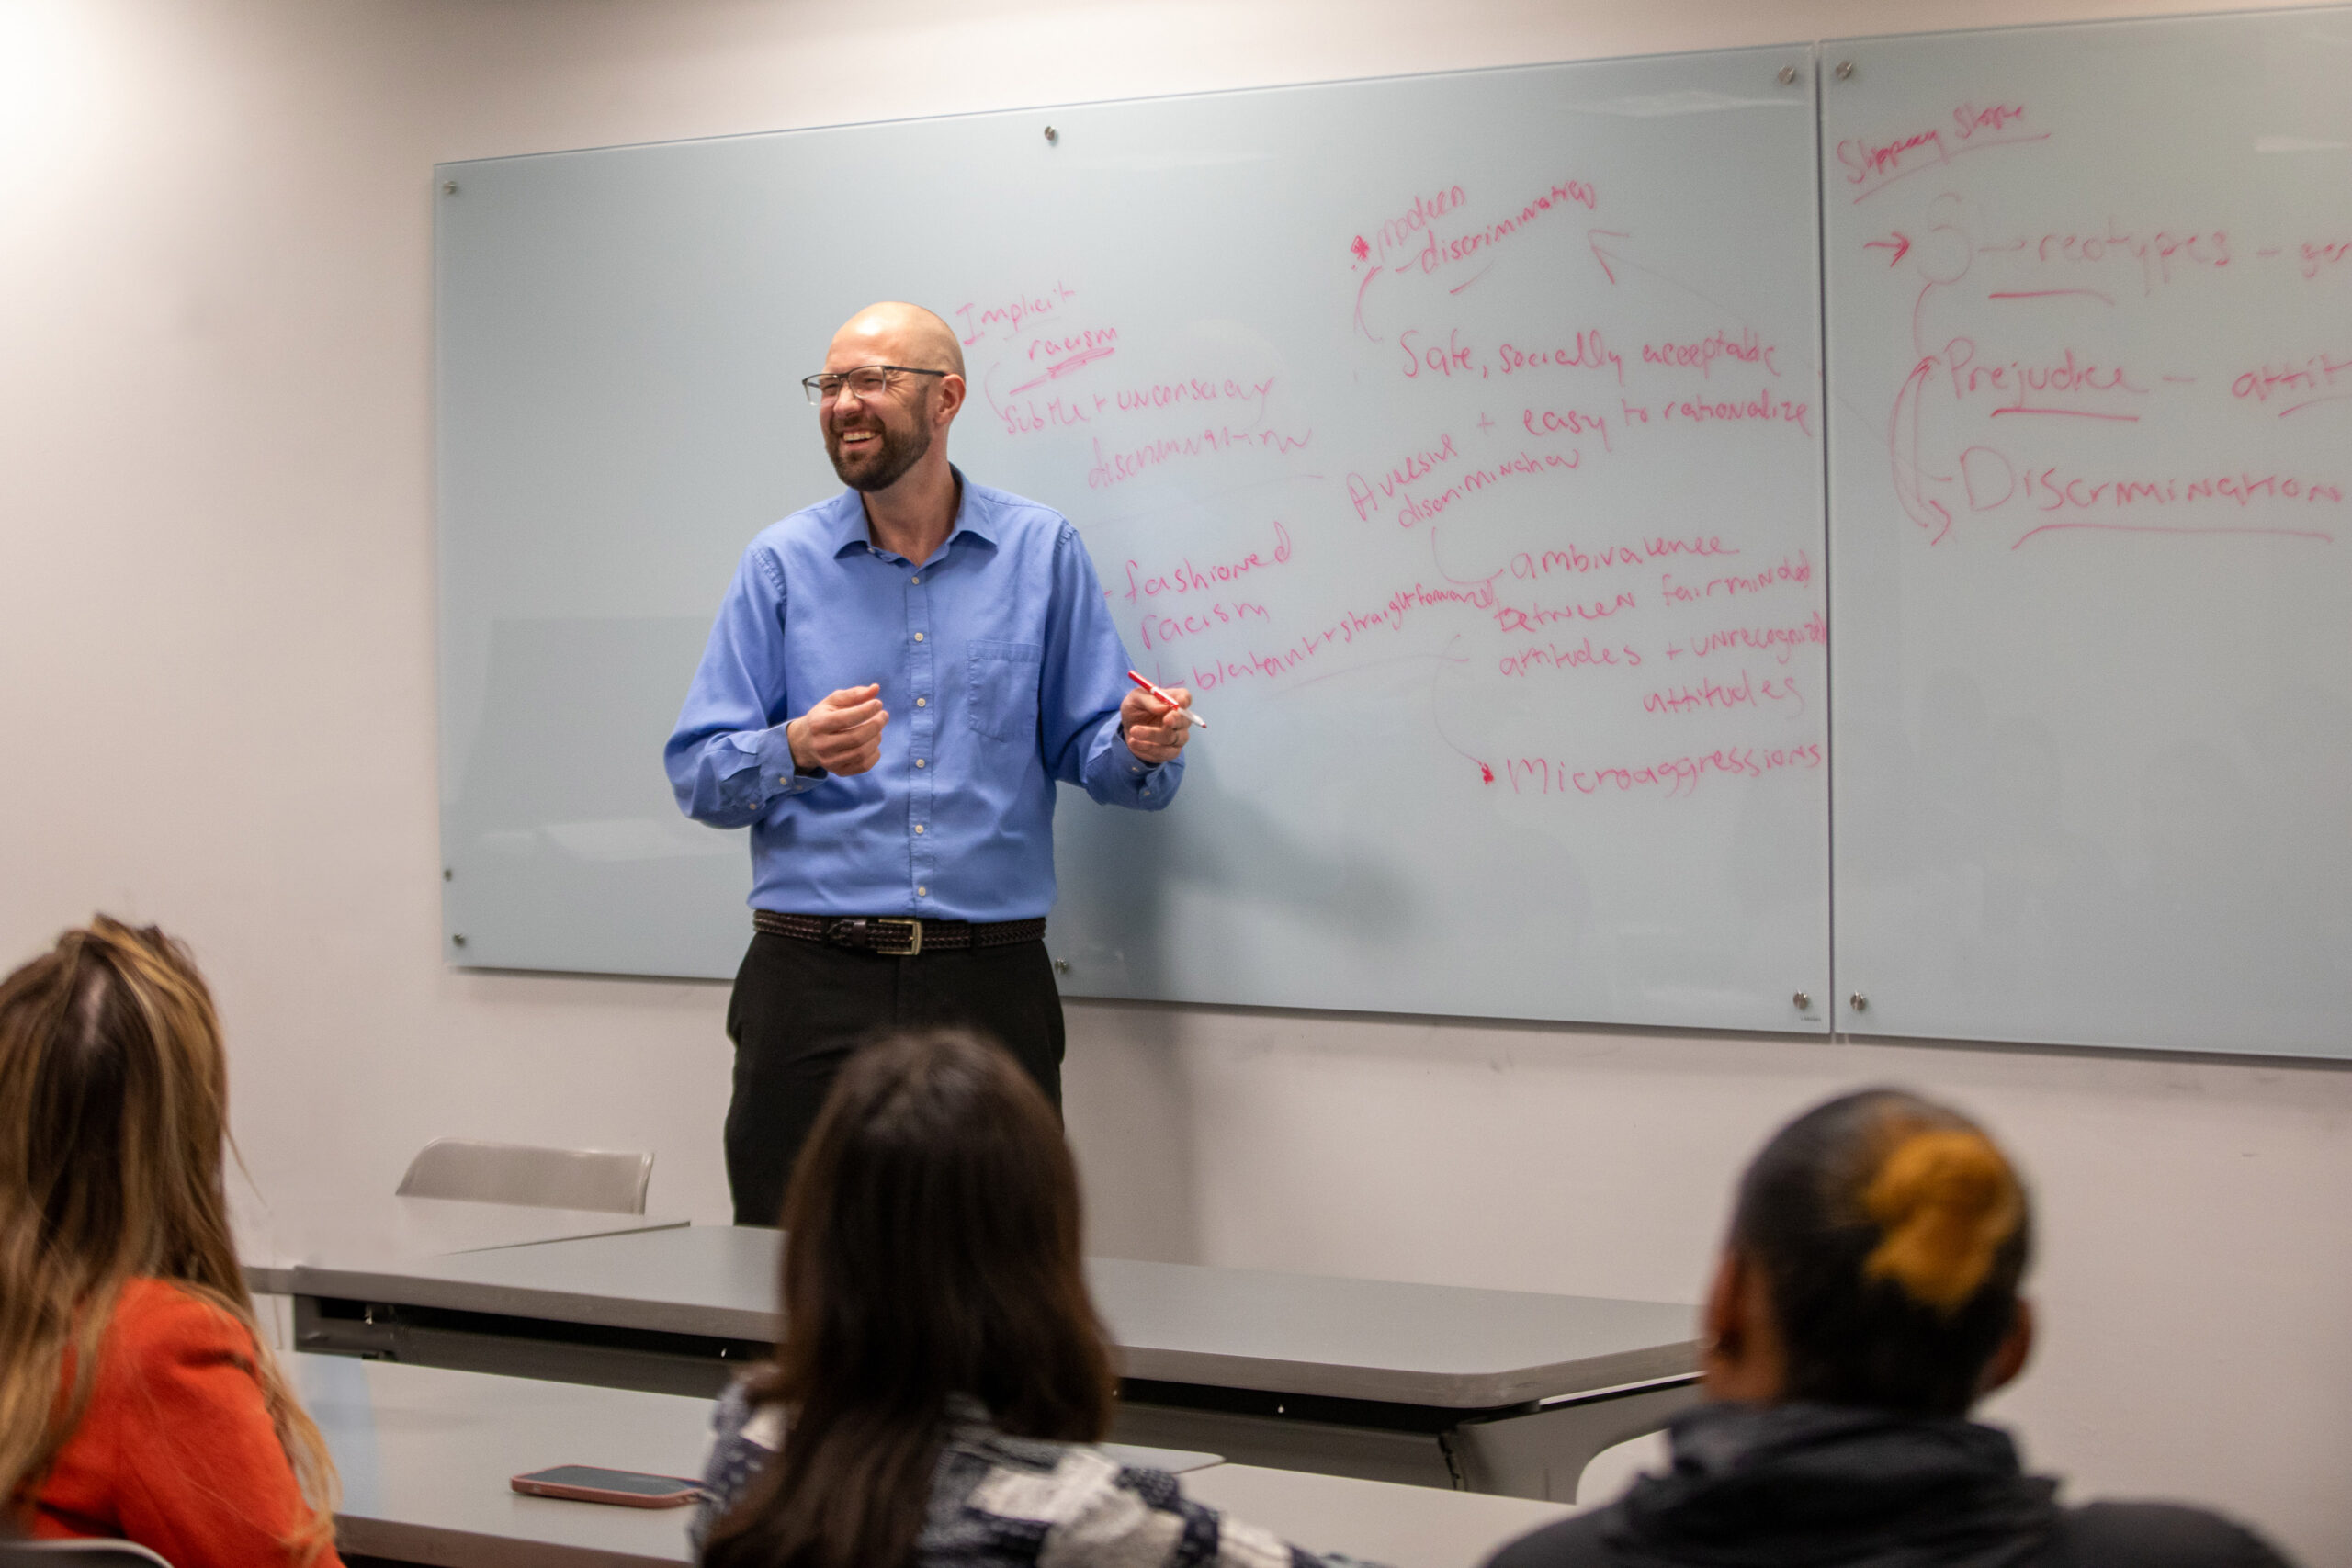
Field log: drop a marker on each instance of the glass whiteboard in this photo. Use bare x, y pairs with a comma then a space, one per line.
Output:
1458, 439
2090, 340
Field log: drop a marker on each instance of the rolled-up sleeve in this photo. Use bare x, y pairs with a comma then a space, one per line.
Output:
1084, 677
728, 759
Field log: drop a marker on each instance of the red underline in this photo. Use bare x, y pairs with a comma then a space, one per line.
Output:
2048, 294
2161, 528
2072, 413
2331, 397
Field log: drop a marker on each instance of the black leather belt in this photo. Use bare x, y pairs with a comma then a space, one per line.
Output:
898, 936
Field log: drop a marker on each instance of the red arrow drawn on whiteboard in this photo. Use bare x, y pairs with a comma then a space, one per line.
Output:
1900, 245
1592, 237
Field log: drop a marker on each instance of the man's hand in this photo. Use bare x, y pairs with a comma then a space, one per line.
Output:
1154, 732
843, 734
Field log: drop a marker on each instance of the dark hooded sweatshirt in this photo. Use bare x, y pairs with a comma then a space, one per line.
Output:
1821, 1486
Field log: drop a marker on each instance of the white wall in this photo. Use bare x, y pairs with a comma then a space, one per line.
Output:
216, 691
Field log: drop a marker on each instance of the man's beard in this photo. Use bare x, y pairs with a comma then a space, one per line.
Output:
888, 466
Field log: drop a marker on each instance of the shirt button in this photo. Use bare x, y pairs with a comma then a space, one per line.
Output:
923, 702
1133, 769
1146, 789
917, 580
917, 637
922, 892
919, 762
918, 825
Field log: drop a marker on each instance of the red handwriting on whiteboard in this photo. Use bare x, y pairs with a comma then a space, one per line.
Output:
1411, 241
2318, 255
1449, 358
1185, 578
1060, 355
1790, 571
1513, 618
1192, 389
1708, 694
2322, 378
1589, 354
1780, 641
1159, 630
2029, 387
1676, 775
1761, 409
1389, 616
1399, 232
1416, 468
1526, 565
1992, 481
1580, 655
973, 322
1117, 468
1568, 421
1701, 354
1026, 416
2158, 254
1871, 165
1425, 509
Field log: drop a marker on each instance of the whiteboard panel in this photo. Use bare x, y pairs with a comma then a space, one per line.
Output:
2090, 337
1456, 438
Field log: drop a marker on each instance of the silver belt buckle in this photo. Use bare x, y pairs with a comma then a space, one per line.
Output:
914, 936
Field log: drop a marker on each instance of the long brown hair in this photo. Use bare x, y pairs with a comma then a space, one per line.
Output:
114, 1097
933, 1251
1893, 1234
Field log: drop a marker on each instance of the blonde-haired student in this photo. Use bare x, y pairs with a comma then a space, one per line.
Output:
1867, 1298
136, 1400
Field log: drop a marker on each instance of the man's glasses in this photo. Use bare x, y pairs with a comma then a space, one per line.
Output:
866, 381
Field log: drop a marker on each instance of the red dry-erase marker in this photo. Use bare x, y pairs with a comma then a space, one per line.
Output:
1190, 717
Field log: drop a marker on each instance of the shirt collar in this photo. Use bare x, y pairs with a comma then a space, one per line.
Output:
845, 525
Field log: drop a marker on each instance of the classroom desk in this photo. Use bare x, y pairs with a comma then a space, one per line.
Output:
425, 1454
386, 1228
1502, 1391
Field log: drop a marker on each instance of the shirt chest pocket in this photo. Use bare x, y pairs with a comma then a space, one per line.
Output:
1004, 699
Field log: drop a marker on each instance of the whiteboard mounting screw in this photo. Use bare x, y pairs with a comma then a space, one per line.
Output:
1061, 966
1803, 1000
447, 874
1052, 135
1860, 1002
448, 188
1788, 75
1845, 69
456, 940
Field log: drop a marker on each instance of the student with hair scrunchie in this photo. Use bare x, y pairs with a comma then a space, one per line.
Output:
1867, 1298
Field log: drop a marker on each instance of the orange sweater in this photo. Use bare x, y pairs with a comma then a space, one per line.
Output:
175, 1450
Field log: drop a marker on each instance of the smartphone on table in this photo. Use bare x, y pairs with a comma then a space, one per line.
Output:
588, 1483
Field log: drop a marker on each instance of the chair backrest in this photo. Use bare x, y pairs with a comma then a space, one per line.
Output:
77, 1554
609, 1181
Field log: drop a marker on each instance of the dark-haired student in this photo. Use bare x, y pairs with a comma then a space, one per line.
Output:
943, 1377
136, 1400
1867, 1298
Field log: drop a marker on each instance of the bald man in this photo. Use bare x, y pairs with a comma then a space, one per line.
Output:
897, 677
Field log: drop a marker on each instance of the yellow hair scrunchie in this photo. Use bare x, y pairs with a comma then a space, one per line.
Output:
1945, 1200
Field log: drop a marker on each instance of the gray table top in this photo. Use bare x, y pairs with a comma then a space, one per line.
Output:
1430, 1345
390, 1229
425, 1455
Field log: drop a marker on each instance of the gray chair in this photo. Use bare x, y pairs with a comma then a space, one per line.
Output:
605, 1180
77, 1554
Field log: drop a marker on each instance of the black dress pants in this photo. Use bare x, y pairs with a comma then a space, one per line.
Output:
800, 1008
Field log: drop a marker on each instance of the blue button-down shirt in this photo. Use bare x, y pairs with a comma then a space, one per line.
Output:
1000, 672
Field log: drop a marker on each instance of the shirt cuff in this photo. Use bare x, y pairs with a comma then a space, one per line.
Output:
1142, 774
777, 774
